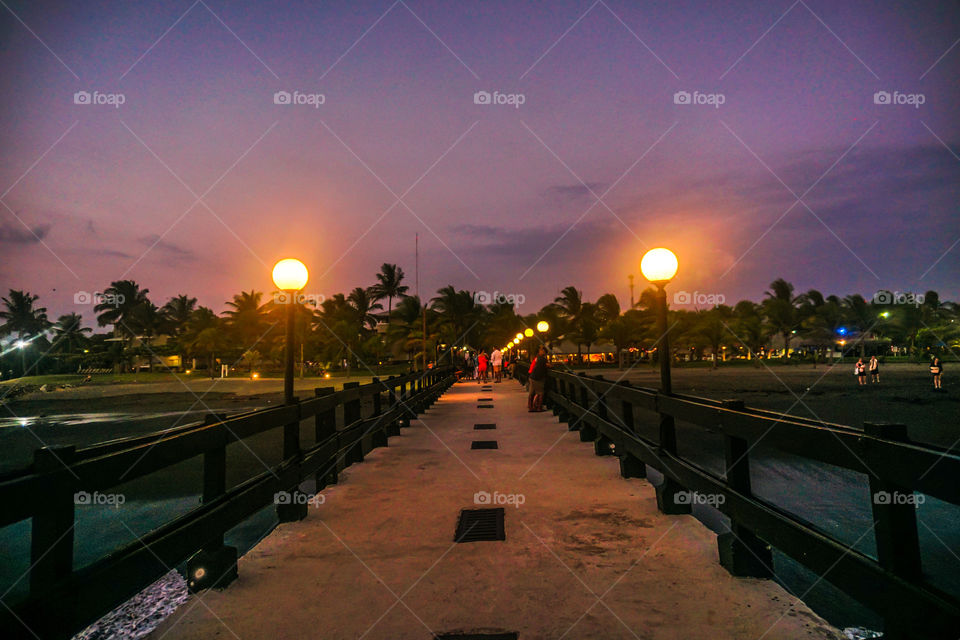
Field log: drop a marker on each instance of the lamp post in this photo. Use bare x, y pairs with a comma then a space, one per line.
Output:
659, 266
290, 275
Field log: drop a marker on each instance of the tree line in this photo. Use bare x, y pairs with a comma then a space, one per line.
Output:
383, 323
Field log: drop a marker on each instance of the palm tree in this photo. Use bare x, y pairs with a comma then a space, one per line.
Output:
25, 320
608, 308
460, 310
69, 333
587, 328
389, 285
568, 306
364, 304
781, 312
176, 313
247, 318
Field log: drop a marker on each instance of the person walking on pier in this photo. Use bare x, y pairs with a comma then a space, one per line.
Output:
936, 369
860, 370
537, 381
482, 367
496, 361
874, 369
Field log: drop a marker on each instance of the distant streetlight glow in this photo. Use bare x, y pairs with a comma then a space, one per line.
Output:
528, 332
659, 265
516, 341
290, 274
543, 326
519, 337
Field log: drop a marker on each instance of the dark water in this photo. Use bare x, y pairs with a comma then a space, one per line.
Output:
834, 500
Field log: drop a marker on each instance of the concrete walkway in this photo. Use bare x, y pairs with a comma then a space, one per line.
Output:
587, 554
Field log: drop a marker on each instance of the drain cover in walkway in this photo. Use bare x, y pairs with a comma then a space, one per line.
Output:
484, 406
484, 399
480, 525
476, 636
485, 425
484, 444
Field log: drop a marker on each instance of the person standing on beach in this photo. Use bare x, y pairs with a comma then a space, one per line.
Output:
496, 361
537, 381
936, 369
482, 367
874, 369
861, 372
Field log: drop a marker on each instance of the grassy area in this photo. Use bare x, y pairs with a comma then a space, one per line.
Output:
167, 376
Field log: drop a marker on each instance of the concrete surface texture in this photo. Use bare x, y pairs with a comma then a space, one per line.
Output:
586, 555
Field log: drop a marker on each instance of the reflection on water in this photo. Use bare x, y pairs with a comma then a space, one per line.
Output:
76, 419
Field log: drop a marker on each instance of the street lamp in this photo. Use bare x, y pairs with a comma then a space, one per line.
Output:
659, 266
543, 326
290, 276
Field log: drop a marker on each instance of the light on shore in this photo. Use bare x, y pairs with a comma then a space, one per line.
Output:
659, 265
528, 332
543, 326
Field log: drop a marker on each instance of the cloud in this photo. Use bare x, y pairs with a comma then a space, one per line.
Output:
155, 243
10, 234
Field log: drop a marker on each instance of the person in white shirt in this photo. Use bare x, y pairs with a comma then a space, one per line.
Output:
496, 361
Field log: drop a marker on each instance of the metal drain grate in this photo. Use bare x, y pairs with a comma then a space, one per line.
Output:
485, 425
480, 525
484, 406
484, 444
477, 636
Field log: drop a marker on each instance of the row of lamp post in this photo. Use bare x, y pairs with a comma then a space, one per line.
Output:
659, 266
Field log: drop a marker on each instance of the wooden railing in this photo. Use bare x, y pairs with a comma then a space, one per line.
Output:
892, 585
62, 600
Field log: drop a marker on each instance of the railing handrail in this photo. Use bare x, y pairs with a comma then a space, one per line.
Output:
891, 584
80, 596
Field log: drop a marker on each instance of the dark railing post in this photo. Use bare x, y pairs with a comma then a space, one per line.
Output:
351, 415
668, 491
742, 553
587, 432
630, 465
895, 514
215, 565
292, 505
51, 534
602, 446
380, 432
393, 427
325, 426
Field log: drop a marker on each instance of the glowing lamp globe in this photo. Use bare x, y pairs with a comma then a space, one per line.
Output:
528, 332
659, 265
543, 326
516, 341
290, 275
519, 337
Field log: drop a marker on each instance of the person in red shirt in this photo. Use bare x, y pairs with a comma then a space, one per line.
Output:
537, 381
482, 367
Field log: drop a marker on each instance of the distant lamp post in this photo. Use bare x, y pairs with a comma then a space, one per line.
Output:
290, 275
519, 337
516, 341
543, 326
659, 266
528, 332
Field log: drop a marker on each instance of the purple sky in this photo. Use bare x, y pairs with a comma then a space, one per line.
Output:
199, 182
